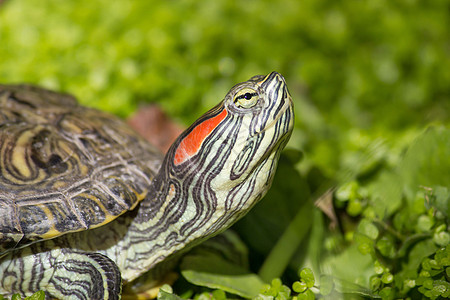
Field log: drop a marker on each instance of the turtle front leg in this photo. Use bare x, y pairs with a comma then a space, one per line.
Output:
60, 273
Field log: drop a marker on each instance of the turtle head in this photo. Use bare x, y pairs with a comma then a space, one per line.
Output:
224, 163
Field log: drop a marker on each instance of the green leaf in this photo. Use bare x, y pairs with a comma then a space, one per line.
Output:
386, 247
441, 199
217, 273
40, 295
345, 287
428, 284
442, 256
386, 193
299, 286
378, 267
354, 208
347, 191
275, 290
387, 278
326, 284
426, 264
424, 223
307, 295
410, 241
427, 161
441, 238
387, 293
307, 275
166, 293
367, 228
350, 266
219, 295
420, 250
375, 283
280, 255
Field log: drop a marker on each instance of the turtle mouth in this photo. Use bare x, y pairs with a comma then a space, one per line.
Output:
273, 85
281, 126
285, 114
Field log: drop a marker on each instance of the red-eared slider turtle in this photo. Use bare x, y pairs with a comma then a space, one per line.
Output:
86, 204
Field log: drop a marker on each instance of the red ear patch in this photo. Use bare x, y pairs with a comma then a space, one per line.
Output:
192, 142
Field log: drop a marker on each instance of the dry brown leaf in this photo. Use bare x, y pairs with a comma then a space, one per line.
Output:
155, 126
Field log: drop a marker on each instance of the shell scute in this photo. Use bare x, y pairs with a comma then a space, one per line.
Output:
65, 167
90, 212
33, 219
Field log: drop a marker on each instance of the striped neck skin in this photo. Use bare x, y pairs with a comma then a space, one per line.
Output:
222, 164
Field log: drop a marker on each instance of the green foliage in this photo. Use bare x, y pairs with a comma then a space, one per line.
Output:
385, 253
401, 242
370, 81
36, 296
214, 265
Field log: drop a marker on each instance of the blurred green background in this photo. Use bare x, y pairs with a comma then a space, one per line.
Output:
367, 78
355, 68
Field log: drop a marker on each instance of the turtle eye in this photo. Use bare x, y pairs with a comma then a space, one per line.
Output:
246, 98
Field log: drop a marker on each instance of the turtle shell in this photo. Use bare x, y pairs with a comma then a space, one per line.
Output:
65, 167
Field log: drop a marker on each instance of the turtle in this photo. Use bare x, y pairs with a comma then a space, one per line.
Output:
87, 205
